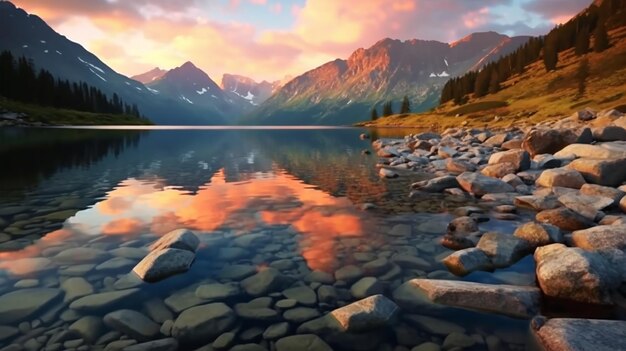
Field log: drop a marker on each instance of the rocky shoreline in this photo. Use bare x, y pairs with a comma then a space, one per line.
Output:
572, 175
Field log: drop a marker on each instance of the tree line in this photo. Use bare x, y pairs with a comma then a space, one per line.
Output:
575, 34
20, 81
387, 110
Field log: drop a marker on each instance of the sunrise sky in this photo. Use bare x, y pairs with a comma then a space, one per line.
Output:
269, 39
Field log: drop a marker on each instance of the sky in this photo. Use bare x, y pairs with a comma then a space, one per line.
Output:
272, 39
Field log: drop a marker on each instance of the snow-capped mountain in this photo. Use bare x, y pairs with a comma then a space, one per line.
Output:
28, 35
150, 76
247, 90
343, 91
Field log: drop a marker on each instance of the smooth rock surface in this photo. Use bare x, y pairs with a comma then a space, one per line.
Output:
563, 177
132, 323
468, 260
203, 323
23, 303
182, 239
569, 334
160, 264
367, 314
480, 185
601, 237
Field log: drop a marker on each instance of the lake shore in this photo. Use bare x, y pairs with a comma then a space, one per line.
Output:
564, 180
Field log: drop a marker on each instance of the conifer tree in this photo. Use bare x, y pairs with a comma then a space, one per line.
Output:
406, 105
550, 55
601, 38
387, 109
374, 114
582, 73
494, 83
582, 41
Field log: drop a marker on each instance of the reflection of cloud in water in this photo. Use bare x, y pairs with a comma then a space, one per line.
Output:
136, 207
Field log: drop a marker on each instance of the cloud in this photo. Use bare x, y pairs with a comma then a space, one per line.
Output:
135, 36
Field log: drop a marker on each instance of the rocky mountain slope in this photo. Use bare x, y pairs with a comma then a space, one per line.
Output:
150, 76
343, 91
28, 35
247, 91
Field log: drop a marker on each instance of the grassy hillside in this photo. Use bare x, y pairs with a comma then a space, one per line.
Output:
53, 116
536, 95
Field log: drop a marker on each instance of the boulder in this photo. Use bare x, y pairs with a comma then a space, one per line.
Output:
609, 133
608, 172
480, 185
538, 234
133, 324
76, 287
182, 239
562, 177
89, 328
603, 191
497, 140
546, 161
308, 342
537, 203
447, 152
584, 115
565, 219
610, 150
509, 300
579, 334
436, 185
266, 281
367, 314
168, 344
459, 166
549, 141
575, 274
387, 173
498, 170
468, 260
520, 159
512, 144
462, 226
601, 237
366, 287
24, 303
160, 264
217, 291
202, 324
502, 249
302, 294
585, 205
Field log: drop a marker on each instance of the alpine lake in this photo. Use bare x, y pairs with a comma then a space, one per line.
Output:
79, 208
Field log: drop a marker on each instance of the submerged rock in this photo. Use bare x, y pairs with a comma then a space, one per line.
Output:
23, 303
158, 265
436, 185
510, 300
133, 324
266, 281
202, 324
580, 334
575, 274
307, 342
102, 301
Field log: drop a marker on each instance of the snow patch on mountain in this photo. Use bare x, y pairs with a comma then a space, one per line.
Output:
97, 75
154, 91
203, 91
185, 99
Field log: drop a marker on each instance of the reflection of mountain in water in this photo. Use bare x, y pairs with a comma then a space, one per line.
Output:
29, 156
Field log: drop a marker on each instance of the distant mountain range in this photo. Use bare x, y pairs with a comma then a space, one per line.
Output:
343, 91
338, 92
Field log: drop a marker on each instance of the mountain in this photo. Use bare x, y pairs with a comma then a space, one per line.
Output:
343, 91
150, 76
190, 85
247, 91
28, 35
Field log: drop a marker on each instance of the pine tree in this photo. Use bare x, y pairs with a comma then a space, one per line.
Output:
601, 38
582, 73
550, 55
481, 87
494, 83
374, 114
582, 41
387, 109
406, 105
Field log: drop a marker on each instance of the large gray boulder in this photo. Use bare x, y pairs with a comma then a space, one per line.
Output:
202, 324
480, 185
549, 141
608, 172
604, 191
611, 150
102, 301
561, 334
182, 239
160, 264
601, 237
509, 300
24, 303
575, 274
502, 249
539, 234
562, 177
133, 324
520, 159
367, 314
465, 261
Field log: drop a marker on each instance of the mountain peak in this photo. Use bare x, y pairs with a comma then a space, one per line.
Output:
188, 65
479, 37
150, 76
